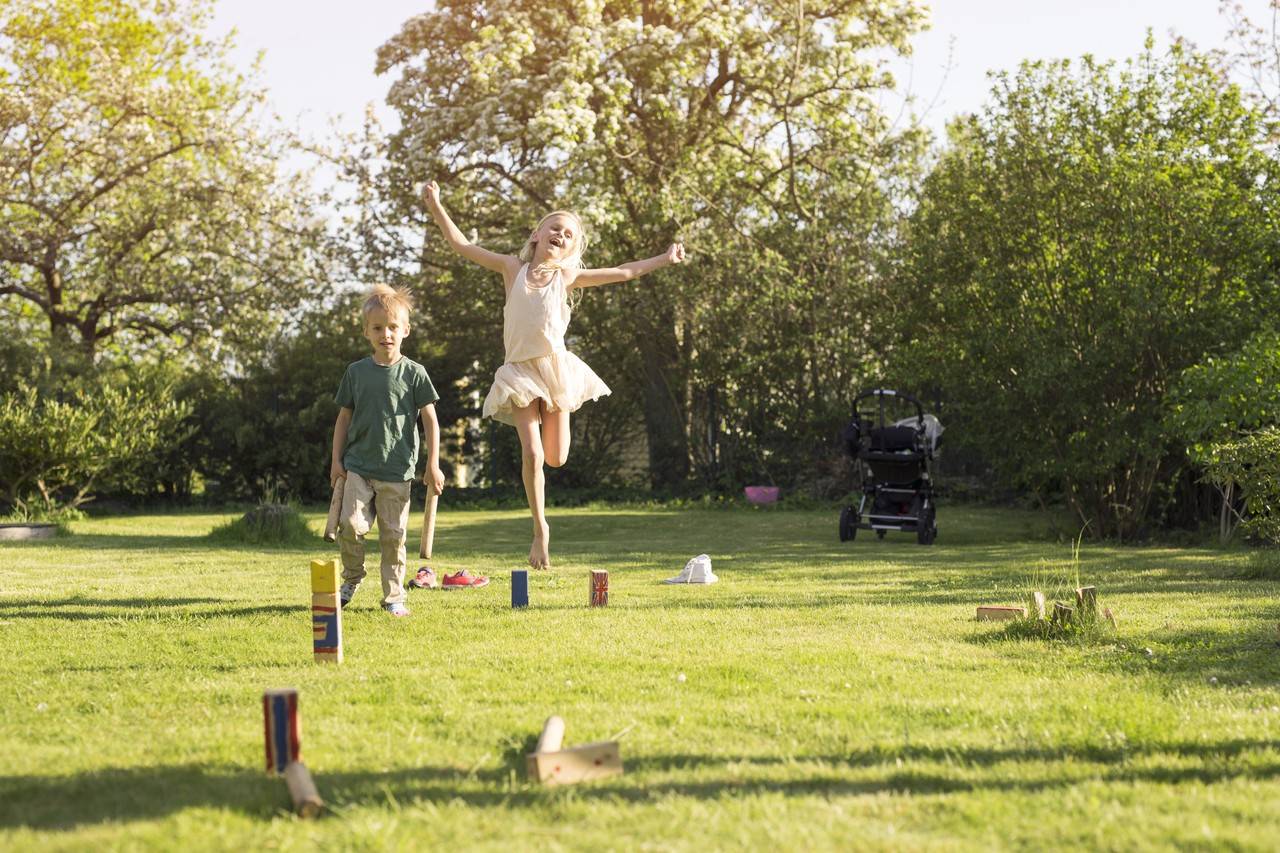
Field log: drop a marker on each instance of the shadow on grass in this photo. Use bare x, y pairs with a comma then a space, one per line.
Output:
126, 794
79, 609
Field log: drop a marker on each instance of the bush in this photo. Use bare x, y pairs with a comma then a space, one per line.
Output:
1253, 464
56, 452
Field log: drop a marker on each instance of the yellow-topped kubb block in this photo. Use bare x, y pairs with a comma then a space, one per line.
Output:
324, 576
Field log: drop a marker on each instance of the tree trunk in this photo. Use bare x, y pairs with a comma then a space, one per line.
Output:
664, 419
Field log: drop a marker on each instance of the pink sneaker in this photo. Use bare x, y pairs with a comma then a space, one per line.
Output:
464, 580
424, 579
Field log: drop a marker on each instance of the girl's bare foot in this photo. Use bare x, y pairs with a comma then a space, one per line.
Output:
540, 554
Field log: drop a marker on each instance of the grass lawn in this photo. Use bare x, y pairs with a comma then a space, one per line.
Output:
835, 695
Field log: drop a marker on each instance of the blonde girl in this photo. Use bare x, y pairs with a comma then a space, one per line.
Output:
540, 382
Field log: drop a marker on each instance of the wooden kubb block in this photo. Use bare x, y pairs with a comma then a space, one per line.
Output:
599, 589
326, 613
280, 725
550, 764
1087, 602
284, 749
578, 764
1000, 613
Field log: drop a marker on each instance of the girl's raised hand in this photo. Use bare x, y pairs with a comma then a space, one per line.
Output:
431, 192
675, 254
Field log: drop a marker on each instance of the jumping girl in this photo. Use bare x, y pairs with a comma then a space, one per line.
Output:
541, 382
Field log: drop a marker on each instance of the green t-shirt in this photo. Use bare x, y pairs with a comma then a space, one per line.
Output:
382, 442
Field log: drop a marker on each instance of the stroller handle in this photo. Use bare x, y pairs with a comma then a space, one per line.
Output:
888, 392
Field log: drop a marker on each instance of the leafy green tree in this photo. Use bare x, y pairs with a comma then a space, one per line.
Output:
141, 195
1093, 232
751, 131
1218, 402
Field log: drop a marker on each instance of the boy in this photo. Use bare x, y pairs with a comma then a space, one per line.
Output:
375, 446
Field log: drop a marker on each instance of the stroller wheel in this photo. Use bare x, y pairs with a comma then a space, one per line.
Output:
848, 524
928, 530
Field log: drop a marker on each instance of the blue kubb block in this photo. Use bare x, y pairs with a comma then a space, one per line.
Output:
520, 588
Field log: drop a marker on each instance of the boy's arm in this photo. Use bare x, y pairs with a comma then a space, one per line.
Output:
505, 264
433, 477
340, 427
626, 272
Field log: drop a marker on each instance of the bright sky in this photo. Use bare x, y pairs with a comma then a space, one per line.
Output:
319, 54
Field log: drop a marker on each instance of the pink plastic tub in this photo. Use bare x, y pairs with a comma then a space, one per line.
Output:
762, 494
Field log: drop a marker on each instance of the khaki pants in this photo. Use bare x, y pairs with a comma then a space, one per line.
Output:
362, 500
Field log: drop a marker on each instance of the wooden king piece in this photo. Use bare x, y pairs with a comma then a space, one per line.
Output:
599, 588
326, 612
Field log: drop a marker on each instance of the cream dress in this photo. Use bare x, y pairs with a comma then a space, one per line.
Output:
538, 365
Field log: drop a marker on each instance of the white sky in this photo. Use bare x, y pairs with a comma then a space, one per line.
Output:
319, 54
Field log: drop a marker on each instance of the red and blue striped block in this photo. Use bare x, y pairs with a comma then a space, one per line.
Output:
280, 724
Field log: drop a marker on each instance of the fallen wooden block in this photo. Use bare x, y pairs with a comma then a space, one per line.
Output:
579, 764
552, 765
1000, 613
302, 790
1035, 604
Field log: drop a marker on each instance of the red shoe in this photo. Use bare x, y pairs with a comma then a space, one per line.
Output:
464, 580
424, 579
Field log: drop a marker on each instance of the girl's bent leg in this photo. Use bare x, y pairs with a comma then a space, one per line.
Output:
532, 457
555, 435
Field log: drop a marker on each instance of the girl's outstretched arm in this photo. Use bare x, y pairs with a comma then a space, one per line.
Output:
626, 272
505, 264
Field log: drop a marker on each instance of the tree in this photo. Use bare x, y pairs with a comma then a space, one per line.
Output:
141, 194
1252, 462
1216, 404
734, 126
1088, 236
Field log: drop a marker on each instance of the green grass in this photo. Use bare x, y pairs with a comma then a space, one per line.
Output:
837, 696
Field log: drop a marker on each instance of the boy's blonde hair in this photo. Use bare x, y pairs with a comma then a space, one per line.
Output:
389, 299
573, 261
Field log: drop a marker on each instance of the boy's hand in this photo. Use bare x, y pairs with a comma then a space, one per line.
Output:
675, 254
335, 472
433, 478
431, 193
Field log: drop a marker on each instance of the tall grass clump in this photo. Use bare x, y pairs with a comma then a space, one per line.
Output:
268, 524
1059, 584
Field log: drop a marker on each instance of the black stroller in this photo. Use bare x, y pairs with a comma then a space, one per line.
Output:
893, 459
